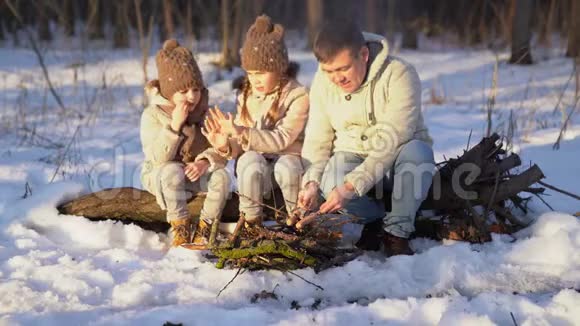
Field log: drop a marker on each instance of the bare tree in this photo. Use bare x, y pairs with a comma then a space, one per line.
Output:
68, 18
2, 36
522, 32
225, 15
95, 26
574, 31
314, 10
240, 22
42, 26
546, 22
168, 19
121, 23
257, 7
391, 20
144, 38
371, 16
409, 40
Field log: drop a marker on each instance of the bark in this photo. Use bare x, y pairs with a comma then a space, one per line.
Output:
522, 32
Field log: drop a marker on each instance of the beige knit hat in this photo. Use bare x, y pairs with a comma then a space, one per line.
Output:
176, 69
264, 48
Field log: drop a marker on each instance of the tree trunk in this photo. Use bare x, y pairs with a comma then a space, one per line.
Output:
574, 31
522, 32
240, 18
371, 15
546, 22
95, 26
225, 15
315, 15
168, 19
43, 26
188, 23
68, 18
257, 7
121, 34
391, 21
409, 40
2, 33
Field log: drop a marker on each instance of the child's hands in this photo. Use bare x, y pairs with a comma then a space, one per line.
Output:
193, 171
225, 122
179, 115
211, 131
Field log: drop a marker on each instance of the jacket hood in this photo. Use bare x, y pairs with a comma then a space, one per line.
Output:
154, 95
379, 51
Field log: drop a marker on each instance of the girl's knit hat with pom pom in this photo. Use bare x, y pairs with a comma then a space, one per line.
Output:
264, 48
176, 69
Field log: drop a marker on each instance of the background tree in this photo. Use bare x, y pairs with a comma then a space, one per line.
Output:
574, 31
95, 21
43, 25
522, 32
168, 24
315, 15
121, 22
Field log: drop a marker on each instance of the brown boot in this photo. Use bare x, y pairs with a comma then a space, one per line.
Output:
393, 245
254, 223
180, 232
201, 235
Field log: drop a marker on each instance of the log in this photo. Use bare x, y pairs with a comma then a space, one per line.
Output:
131, 205
483, 171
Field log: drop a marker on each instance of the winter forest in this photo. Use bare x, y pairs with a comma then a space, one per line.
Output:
289, 162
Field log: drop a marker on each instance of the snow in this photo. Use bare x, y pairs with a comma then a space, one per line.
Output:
57, 269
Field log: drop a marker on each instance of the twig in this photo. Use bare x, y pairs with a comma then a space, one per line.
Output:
492, 198
565, 125
231, 281
65, 153
564, 90
262, 204
238, 229
305, 280
513, 319
469, 139
543, 201
549, 186
20, 21
491, 98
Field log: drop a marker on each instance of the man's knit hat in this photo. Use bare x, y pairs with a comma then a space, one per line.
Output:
176, 69
264, 48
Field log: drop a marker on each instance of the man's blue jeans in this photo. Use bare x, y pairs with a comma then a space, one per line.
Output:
408, 181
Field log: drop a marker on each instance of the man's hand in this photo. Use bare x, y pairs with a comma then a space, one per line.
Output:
307, 197
193, 171
337, 199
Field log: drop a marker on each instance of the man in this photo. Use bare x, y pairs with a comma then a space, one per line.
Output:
366, 131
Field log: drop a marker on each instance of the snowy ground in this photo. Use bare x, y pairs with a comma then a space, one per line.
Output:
67, 270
